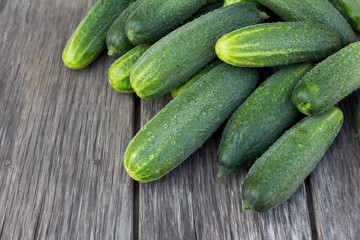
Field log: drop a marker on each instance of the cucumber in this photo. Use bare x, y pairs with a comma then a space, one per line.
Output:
116, 40
176, 91
329, 82
228, 2
155, 18
88, 40
260, 120
319, 11
187, 121
179, 55
119, 72
279, 172
350, 9
273, 44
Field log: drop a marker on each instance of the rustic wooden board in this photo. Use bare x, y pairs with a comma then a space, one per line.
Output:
62, 133
335, 183
191, 203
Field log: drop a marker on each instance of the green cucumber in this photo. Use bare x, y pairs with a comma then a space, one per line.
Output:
155, 18
228, 2
176, 91
350, 9
329, 82
179, 55
88, 40
319, 11
279, 172
119, 72
260, 120
116, 40
273, 44
187, 121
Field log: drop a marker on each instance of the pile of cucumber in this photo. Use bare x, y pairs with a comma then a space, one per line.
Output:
206, 53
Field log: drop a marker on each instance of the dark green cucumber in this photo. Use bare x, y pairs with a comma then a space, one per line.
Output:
155, 18
329, 82
260, 120
179, 55
279, 172
187, 121
273, 44
116, 40
315, 11
350, 9
176, 91
88, 40
119, 72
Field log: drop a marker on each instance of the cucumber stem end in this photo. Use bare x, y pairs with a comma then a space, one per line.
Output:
221, 173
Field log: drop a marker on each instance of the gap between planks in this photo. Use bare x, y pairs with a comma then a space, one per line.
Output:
136, 189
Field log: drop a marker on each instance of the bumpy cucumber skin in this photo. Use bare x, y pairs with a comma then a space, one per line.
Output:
176, 91
319, 11
350, 9
119, 71
187, 121
155, 18
329, 82
116, 40
179, 55
260, 120
273, 44
88, 40
279, 172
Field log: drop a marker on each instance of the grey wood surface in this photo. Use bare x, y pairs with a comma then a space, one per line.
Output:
63, 134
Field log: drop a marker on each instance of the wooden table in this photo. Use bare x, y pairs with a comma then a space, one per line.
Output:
63, 134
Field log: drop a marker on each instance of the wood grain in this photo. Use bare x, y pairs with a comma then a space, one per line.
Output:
63, 133
191, 203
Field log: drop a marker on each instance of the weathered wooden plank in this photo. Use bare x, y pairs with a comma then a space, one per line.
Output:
191, 203
62, 133
335, 184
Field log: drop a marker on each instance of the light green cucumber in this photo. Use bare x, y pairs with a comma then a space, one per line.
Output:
155, 18
176, 91
116, 40
187, 121
172, 60
273, 44
314, 11
119, 72
260, 120
279, 172
88, 40
350, 9
329, 82
228, 2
